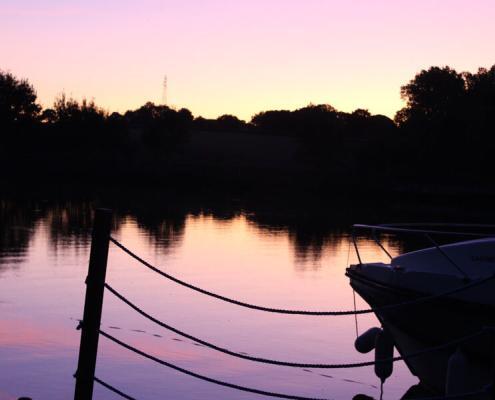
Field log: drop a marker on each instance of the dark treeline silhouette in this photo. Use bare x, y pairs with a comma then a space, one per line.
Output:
443, 139
448, 126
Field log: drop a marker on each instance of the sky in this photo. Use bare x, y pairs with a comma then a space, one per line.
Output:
240, 57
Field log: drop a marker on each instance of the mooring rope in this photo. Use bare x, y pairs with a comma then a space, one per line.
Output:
466, 395
353, 291
202, 377
229, 352
292, 364
113, 389
301, 312
263, 392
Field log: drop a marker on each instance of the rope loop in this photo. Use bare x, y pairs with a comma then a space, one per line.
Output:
202, 377
263, 392
113, 389
293, 364
301, 312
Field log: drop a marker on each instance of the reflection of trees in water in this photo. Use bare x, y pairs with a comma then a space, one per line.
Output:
309, 246
17, 225
311, 230
69, 224
309, 235
164, 232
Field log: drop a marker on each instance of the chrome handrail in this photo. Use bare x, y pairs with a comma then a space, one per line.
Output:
397, 228
402, 228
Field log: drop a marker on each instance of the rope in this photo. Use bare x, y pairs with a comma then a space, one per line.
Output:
353, 291
221, 349
113, 389
300, 312
204, 378
355, 315
448, 397
285, 363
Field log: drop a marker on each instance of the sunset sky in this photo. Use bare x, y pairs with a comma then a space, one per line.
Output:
240, 57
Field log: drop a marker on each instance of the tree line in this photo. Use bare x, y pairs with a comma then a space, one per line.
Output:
443, 136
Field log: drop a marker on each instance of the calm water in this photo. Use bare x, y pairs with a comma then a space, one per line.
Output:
44, 251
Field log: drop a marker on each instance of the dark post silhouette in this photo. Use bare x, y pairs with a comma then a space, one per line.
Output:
93, 303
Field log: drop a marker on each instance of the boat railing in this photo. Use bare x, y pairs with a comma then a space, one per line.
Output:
427, 231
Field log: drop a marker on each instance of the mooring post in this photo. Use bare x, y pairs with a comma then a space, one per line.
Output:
90, 325
492, 391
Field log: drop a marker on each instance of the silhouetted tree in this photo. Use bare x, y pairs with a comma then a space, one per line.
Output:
481, 86
77, 126
230, 123
480, 109
224, 123
432, 94
446, 128
276, 121
70, 110
48, 116
361, 113
159, 126
17, 100
18, 123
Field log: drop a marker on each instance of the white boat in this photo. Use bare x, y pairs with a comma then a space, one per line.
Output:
467, 265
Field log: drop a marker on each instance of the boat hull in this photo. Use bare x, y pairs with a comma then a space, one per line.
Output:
433, 323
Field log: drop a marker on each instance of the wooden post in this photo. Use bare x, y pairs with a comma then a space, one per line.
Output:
93, 303
492, 337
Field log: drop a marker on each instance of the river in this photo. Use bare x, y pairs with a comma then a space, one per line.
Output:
269, 257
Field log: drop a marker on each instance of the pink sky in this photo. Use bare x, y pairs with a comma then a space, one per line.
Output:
240, 57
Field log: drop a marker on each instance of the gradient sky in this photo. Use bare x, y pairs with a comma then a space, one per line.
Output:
240, 57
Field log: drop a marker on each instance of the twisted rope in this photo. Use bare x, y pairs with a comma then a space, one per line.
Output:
300, 312
286, 363
205, 378
113, 389
449, 397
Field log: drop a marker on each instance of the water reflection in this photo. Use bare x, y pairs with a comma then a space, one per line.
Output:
287, 261
17, 225
70, 224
